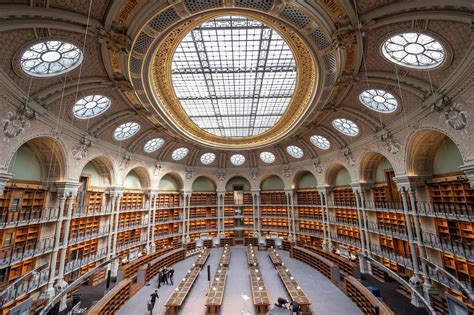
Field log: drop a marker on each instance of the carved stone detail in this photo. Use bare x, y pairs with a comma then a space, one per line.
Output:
348, 155
317, 165
17, 122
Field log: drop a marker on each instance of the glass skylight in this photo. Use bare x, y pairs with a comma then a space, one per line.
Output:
379, 100
237, 159
414, 50
126, 130
346, 126
294, 151
91, 106
320, 142
267, 157
208, 158
179, 153
234, 76
153, 145
50, 58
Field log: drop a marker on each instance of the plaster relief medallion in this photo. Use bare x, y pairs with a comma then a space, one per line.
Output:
254, 175
80, 152
189, 172
286, 171
455, 117
158, 167
317, 165
16, 123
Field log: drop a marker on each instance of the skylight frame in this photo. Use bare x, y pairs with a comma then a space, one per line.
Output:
295, 151
369, 98
81, 110
217, 92
267, 157
320, 142
126, 130
346, 127
153, 145
433, 55
33, 60
237, 159
208, 158
179, 153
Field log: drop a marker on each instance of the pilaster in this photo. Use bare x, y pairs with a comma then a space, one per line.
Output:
468, 169
256, 211
4, 178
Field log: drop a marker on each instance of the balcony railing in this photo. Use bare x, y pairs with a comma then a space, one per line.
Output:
13, 255
78, 263
457, 247
24, 287
27, 215
86, 235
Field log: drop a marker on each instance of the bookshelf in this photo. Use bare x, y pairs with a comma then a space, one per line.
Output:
364, 299
346, 216
21, 202
399, 247
308, 197
457, 231
93, 201
343, 196
391, 221
461, 268
132, 200
451, 196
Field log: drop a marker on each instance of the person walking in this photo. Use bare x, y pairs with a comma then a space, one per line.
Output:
165, 275
171, 274
160, 278
153, 297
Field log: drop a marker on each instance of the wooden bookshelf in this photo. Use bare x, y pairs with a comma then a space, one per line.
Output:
84, 226
311, 226
451, 196
308, 197
169, 258
347, 216
93, 201
457, 231
132, 200
346, 265
343, 196
364, 299
346, 231
461, 268
272, 198
391, 221
21, 202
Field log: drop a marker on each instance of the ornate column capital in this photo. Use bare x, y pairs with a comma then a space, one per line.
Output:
4, 178
410, 182
255, 192
151, 193
324, 189
115, 191
468, 169
359, 187
67, 187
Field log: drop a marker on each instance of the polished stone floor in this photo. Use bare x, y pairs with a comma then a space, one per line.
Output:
326, 297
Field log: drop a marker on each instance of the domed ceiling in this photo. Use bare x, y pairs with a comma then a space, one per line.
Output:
241, 83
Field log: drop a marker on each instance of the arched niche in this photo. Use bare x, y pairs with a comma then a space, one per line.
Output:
238, 181
39, 159
374, 168
170, 182
203, 184
432, 153
137, 178
337, 175
99, 172
305, 180
272, 182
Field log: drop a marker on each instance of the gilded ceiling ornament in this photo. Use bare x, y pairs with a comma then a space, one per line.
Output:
317, 165
348, 155
81, 150
17, 122
344, 37
115, 41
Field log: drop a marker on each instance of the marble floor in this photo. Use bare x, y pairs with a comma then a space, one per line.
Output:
326, 297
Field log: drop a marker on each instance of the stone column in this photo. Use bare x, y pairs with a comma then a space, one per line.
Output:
256, 210
111, 226
153, 223
427, 287
325, 237
415, 279
115, 263
324, 190
220, 212
69, 189
362, 262
289, 214
51, 291
150, 236
187, 202
4, 178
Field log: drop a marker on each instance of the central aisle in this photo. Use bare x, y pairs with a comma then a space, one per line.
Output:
238, 284
326, 297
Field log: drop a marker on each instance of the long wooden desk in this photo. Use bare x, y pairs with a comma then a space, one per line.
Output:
294, 290
259, 291
252, 258
202, 258
274, 257
130, 270
176, 300
215, 294
225, 258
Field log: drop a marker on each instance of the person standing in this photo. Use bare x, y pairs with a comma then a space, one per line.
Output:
294, 307
165, 275
160, 278
171, 274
